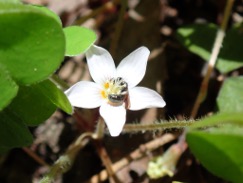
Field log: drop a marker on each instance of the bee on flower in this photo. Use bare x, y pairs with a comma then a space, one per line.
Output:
114, 89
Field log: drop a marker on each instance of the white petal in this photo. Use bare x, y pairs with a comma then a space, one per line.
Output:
114, 117
141, 98
85, 94
101, 64
133, 67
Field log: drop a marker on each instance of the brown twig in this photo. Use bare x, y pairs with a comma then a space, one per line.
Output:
216, 48
181, 144
106, 161
102, 151
35, 156
119, 26
135, 155
97, 11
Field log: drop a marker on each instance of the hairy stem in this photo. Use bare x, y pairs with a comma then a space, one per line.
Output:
157, 126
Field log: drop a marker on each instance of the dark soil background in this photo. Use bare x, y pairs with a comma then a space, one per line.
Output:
172, 70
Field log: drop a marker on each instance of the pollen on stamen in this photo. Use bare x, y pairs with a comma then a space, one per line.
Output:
106, 85
103, 94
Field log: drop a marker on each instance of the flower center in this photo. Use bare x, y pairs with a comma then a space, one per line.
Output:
115, 91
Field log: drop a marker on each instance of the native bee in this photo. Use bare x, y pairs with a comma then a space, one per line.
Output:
119, 92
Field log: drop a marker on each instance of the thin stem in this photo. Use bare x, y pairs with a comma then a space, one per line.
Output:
216, 48
102, 151
119, 26
100, 128
156, 126
106, 161
97, 11
227, 12
35, 156
204, 85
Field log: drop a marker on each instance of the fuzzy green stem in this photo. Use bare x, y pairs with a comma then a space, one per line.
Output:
157, 126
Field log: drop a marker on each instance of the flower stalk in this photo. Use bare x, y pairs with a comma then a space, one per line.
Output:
157, 126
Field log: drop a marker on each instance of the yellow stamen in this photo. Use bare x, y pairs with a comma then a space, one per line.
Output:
103, 94
106, 85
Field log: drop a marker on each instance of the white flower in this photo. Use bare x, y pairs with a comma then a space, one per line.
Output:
114, 88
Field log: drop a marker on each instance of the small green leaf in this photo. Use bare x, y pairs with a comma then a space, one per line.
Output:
218, 149
55, 95
230, 98
13, 131
78, 39
31, 105
199, 39
32, 43
9, 88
